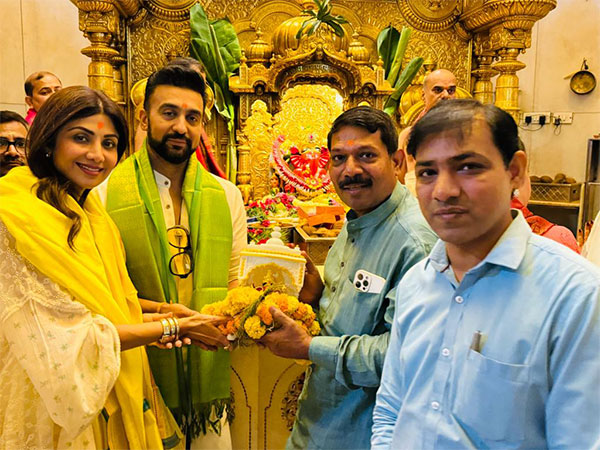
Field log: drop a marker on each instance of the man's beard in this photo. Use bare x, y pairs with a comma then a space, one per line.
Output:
162, 148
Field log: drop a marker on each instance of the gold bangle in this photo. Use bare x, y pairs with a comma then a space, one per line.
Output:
174, 327
166, 335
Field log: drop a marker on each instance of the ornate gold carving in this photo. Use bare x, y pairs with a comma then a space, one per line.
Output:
431, 15
152, 42
129, 7
289, 403
523, 14
171, 10
259, 136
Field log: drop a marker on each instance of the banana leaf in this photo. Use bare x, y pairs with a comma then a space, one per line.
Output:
402, 83
400, 50
387, 43
215, 43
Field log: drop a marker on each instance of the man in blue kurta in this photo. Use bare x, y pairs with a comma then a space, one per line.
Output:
495, 342
385, 234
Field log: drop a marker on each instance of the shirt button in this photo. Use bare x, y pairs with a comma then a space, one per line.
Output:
435, 405
446, 351
333, 289
459, 299
166, 183
168, 206
353, 240
342, 264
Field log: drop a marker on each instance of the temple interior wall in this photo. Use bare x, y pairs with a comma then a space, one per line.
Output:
39, 35
44, 34
559, 43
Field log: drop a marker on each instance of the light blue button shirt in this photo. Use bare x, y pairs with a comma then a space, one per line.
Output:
336, 406
533, 381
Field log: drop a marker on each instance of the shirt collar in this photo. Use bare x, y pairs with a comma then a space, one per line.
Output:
380, 213
161, 180
509, 251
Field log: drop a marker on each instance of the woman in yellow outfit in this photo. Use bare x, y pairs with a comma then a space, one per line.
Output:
73, 369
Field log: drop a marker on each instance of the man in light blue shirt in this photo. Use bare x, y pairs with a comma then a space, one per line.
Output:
384, 236
495, 341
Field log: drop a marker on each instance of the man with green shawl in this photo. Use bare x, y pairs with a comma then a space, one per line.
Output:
183, 229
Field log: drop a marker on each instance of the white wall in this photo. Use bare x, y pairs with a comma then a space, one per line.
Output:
560, 41
38, 35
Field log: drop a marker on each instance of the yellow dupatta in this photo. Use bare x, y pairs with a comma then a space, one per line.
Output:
94, 275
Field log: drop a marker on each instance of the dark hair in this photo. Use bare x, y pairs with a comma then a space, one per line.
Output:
68, 104
34, 77
174, 75
190, 63
370, 119
457, 115
11, 116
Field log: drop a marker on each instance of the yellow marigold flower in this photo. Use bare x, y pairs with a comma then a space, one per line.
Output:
300, 312
254, 328
240, 298
293, 303
315, 328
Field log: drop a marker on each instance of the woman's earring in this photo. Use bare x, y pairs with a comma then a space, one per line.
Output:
515, 193
47, 154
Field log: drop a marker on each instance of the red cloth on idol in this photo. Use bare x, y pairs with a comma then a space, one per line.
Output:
545, 228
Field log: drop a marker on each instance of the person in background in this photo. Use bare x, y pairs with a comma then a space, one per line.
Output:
438, 85
591, 247
495, 339
384, 235
538, 224
71, 327
39, 86
13, 133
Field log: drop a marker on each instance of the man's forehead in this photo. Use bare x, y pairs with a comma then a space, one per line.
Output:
46, 80
13, 127
173, 95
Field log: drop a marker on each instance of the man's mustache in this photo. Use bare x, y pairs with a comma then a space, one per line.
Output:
357, 179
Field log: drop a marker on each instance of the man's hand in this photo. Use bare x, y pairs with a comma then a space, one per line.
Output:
312, 289
289, 341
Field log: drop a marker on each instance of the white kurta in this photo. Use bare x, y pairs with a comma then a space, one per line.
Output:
58, 361
591, 248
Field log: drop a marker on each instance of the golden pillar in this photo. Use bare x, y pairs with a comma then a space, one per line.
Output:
483, 88
507, 84
243, 177
99, 21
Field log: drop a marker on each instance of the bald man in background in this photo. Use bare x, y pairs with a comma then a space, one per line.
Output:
438, 85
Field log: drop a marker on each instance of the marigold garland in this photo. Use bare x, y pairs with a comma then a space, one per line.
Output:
249, 316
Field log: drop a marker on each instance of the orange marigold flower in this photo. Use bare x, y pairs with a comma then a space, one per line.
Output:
263, 312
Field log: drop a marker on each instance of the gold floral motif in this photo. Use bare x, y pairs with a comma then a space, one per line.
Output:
431, 15
289, 403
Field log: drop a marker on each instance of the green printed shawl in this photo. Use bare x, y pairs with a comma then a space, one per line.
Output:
198, 387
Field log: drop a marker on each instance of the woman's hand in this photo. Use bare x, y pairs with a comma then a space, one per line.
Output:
202, 330
156, 317
177, 309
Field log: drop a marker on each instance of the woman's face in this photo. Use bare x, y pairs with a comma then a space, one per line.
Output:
86, 150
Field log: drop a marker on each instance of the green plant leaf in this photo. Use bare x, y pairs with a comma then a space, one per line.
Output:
400, 50
404, 80
387, 42
302, 28
337, 29
229, 45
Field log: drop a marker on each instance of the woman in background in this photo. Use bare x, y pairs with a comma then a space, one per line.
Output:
71, 327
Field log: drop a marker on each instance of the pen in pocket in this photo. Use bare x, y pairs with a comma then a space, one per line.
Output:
476, 341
